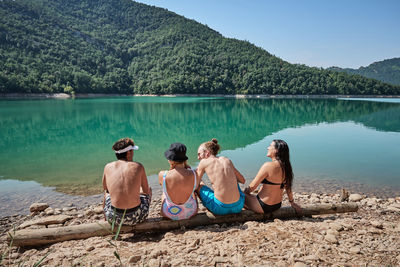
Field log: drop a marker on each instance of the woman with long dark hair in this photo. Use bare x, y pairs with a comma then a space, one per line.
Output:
275, 177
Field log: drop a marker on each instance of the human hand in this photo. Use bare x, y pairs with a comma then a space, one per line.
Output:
247, 190
296, 208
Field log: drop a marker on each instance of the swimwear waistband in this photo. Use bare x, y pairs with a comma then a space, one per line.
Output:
123, 210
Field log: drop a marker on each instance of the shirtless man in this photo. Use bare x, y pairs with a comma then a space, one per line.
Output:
127, 193
227, 197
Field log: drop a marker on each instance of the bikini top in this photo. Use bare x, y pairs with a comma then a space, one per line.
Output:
265, 181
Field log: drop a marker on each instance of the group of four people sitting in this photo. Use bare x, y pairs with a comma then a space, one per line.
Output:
127, 194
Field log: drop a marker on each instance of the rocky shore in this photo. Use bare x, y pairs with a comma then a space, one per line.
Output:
369, 237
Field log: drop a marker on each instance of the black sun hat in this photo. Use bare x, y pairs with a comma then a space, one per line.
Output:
176, 152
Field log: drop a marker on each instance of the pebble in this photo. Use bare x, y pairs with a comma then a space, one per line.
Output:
336, 226
154, 263
377, 224
331, 239
355, 197
37, 207
300, 264
156, 253
89, 248
98, 210
49, 211
332, 232
134, 258
89, 212
355, 250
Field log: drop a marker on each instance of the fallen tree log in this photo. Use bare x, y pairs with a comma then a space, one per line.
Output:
37, 237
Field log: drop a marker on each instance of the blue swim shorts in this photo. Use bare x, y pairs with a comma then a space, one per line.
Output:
208, 199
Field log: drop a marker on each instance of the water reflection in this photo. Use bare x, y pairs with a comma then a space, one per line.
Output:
65, 143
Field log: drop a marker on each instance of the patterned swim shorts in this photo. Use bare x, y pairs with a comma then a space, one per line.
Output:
132, 216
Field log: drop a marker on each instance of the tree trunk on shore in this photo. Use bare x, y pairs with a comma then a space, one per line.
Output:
37, 237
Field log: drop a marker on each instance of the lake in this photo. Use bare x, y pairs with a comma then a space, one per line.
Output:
60, 146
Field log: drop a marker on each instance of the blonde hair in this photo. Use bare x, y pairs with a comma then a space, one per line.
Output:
212, 146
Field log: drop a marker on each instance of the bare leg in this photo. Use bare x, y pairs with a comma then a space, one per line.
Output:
251, 203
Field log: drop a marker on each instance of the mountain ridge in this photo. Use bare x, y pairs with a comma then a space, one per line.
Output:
387, 70
125, 47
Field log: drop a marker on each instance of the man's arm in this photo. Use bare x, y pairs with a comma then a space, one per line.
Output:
239, 176
144, 183
105, 190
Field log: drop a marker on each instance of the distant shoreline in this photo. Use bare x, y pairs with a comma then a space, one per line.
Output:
66, 96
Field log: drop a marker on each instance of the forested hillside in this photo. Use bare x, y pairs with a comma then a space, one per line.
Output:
120, 46
387, 71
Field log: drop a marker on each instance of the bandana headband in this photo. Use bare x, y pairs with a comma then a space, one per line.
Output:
126, 149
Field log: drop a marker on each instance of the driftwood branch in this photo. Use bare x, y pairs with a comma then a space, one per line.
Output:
36, 237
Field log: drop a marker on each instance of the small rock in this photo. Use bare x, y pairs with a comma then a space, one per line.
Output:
375, 231
98, 210
331, 239
68, 208
57, 211
55, 219
300, 264
165, 264
219, 260
355, 250
311, 258
336, 226
37, 207
89, 212
361, 232
332, 232
134, 258
154, 263
355, 197
49, 211
89, 248
195, 243
14, 255
377, 224
156, 253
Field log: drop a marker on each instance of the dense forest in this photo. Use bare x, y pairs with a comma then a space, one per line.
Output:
120, 46
387, 71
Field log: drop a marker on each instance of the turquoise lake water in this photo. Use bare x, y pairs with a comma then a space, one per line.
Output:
65, 144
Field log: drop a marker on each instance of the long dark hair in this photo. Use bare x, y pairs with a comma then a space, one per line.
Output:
283, 157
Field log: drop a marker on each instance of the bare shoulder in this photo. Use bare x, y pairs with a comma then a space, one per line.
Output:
109, 166
224, 159
268, 165
136, 166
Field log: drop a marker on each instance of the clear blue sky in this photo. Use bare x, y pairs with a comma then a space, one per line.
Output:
319, 33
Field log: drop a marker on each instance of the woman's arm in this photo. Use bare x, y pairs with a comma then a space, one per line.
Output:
200, 170
160, 177
295, 206
262, 174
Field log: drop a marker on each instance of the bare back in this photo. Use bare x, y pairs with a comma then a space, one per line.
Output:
179, 184
223, 177
271, 194
123, 180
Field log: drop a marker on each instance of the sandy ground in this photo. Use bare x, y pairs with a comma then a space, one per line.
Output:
369, 237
